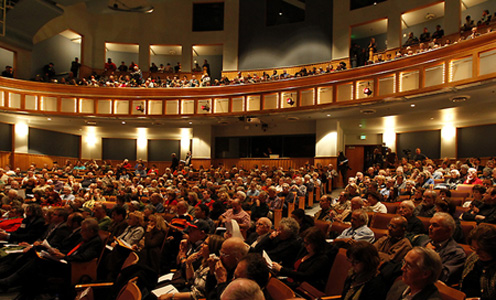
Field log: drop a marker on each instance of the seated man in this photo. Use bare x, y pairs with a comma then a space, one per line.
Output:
426, 208
236, 213
485, 213
35, 271
262, 229
441, 240
242, 289
394, 246
359, 231
283, 244
421, 268
414, 226
325, 208
232, 251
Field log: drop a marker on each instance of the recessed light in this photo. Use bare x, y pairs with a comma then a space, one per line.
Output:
190, 123
360, 125
412, 105
49, 119
328, 115
123, 122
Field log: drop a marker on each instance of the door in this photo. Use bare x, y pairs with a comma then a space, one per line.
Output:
355, 155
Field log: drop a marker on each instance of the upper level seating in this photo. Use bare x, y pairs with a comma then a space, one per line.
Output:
458, 64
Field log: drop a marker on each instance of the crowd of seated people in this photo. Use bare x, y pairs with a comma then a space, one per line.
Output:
169, 218
132, 76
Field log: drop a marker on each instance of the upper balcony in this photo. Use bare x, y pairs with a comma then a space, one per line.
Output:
462, 64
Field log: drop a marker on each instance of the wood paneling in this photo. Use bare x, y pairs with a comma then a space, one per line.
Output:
4, 159
249, 163
24, 160
324, 161
197, 162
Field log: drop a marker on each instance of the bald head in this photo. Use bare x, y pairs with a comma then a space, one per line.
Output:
242, 289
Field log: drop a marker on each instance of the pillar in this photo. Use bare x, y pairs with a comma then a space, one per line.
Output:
452, 16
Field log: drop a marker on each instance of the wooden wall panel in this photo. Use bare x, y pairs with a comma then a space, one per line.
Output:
4, 158
324, 161
197, 162
24, 160
249, 163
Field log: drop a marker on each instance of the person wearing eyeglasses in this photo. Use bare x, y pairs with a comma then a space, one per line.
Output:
421, 268
479, 273
312, 265
222, 270
441, 229
426, 208
363, 281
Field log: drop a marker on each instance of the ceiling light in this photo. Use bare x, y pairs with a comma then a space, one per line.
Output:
290, 101
461, 98
190, 123
123, 122
49, 119
412, 105
328, 115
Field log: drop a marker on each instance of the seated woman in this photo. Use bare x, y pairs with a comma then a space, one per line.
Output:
198, 277
363, 281
479, 274
134, 231
312, 265
150, 246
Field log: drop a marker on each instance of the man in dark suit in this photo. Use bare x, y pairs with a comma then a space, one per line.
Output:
175, 162
421, 268
35, 272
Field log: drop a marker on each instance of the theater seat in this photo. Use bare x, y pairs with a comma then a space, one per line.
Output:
278, 290
335, 281
449, 293
381, 221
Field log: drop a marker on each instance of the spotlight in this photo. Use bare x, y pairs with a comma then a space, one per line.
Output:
140, 108
367, 91
205, 107
290, 101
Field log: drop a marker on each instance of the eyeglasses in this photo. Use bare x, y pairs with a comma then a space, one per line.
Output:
224, 254
406, 265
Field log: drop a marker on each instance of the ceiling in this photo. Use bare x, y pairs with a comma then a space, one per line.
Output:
430, 112
120, 47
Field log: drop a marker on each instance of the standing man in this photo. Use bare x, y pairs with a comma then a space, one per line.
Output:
75, 65
343, 167
175, 162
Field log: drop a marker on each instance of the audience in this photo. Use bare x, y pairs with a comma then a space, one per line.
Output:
297, 248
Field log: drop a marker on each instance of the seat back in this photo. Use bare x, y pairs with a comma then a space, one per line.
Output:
465, 187
338, 273
426, 221
132, 259
392, 207
277, 217
467, 226
449, 293
278, 290
381, 221
338, 227
323, 225
83, 269
130, 291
